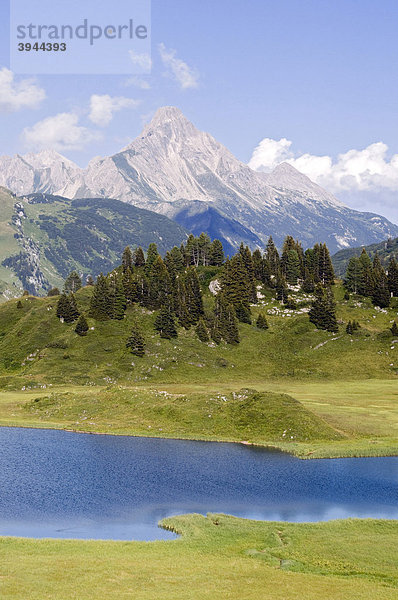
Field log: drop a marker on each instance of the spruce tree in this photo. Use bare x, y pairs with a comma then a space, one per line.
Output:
194, 300
73, 283
204, 246
292, 267
216, 253
325, 267
120, 303
262, 322
101, 304
19, 304
281, 289
63, 306
129, 286
139, 257
136, 342
272, 257
159, 284
247, 259
152, 256
243, 314
394, 328
81, 326
201, 331
393, 277
308, 284
165, 323
349, 329
380, 294
354, 275
73, 310
323, 309
127, 259
225, 320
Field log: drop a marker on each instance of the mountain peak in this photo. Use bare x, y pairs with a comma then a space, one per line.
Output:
170, 120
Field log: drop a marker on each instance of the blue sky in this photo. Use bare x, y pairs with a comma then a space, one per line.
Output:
322, 75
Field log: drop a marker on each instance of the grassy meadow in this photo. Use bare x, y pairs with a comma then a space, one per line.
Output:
216, 557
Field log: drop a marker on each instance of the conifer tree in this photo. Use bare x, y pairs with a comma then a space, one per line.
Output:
72, 283
292, 267
225, 320
127, 259
325, 267
204, 245
67, 308
136, 342
308, 284
63, 306
243, 314
120, 302
281, 289
194, 301
19, 304
160, 287
235, 282
272, 257
247, 259
262, 322
101, 305
152, 256
139, 257
81, 326
73, 310
259, 267
129, 286
350, 328
201, 331
323, 309
394, 328
393, 277
367, 282
354, 275
165, 323
380, 293
216, 253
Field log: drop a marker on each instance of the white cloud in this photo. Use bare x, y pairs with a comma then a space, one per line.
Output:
369, 169
103, 107
143, 61
185, 76
142, 84
15, 96
60, 132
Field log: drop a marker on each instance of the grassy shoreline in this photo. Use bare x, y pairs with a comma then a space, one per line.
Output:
362, 415
216, 557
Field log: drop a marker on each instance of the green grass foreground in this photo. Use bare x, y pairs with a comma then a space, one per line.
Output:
217, 557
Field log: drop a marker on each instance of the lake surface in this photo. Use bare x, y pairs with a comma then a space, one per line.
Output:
70, 485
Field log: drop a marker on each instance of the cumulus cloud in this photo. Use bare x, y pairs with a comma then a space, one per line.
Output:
143, 61
60, 132
102, 108
17, 95
185, 76
369, 169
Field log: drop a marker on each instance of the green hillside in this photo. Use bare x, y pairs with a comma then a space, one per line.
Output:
386, 250
186, 388
44, 237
